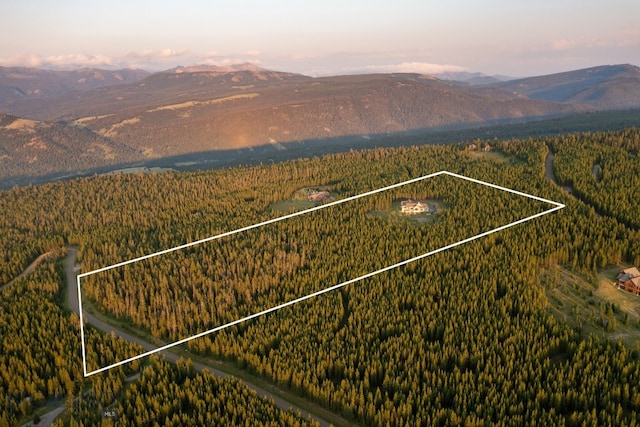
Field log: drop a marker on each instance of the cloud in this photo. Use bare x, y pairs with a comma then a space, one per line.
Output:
150, 54
76, 60
152, 59
21, 61
303, 56
415, 67
225, 61
630, 37
210, 54
145, 59
144, 54
209, 57
620, 39
171, 53
219, 59
563, 44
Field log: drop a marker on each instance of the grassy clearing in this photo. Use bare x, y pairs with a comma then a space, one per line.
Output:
190, 104
492, 156
113, 130
594, 306
421, 218
627, 302
299, 200
22, 124
83, 120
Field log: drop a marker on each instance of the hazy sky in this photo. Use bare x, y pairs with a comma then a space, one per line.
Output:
512, 37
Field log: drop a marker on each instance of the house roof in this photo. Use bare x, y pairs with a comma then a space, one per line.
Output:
632, 271
629, 275
624, 277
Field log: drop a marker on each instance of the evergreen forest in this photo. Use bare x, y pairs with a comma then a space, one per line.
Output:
466, 336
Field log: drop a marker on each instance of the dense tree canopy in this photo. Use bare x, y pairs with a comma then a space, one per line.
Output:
462, 337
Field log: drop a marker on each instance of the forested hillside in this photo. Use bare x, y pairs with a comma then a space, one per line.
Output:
462, 337
605, 87
39, 348
178, 113
178, 396
604, 171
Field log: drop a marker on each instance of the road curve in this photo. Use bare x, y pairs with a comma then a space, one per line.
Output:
550, 173
30, 268
72, 295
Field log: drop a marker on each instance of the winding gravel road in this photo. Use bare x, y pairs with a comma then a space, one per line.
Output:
29, 269
72, 294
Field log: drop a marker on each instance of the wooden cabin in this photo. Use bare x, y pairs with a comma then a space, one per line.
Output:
629, 280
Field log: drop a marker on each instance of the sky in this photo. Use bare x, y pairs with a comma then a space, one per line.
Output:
497, 37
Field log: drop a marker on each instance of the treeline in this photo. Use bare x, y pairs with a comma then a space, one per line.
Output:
178, 396
40, 362
604, 171
186, 292
462, 337
40, 355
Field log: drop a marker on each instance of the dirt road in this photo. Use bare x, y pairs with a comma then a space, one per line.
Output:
30, 268
72, 294
549, 173
548, 168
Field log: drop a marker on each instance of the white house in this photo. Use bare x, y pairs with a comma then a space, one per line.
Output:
411, 207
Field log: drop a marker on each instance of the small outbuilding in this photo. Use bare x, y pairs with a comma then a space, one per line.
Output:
317, 196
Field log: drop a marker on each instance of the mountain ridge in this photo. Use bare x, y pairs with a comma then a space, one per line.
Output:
36, 148
207, 108
209, 68
19, 83
240, 109
604, 87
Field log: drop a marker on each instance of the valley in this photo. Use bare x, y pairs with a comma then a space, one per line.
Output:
267, 154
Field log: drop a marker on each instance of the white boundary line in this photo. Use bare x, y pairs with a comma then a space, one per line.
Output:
557, 207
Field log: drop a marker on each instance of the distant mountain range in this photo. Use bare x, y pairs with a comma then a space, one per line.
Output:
246, 66
607, 87
56, 122
20, 83
471, 78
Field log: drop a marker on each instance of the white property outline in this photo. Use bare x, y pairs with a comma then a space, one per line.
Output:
557, 207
